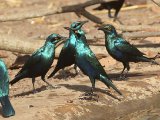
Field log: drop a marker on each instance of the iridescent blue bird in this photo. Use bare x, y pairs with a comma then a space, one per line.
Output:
40, 61
89, 64
67, 54
7, 109
123, 51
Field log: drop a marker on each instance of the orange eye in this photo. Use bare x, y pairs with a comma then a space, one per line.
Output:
109, 28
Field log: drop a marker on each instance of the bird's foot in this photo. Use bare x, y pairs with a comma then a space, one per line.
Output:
50, 87
63, 74
35, 91
122, 77
89, 96
110, 16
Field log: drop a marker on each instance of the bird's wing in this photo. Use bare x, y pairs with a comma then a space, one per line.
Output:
64, 48
4, 80
91, 58
34, 59
65, 55
126, 47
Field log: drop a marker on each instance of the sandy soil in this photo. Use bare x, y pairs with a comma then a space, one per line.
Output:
64, 102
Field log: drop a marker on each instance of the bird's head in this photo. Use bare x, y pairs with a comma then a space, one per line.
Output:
55, 38
109, 29
75, 26
71, 31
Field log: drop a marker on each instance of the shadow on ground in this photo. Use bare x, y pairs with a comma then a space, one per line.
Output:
85, 88
42, 88
137, 75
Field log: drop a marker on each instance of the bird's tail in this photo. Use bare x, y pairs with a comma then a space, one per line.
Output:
108, 82
152, 59
7, 109
17, 78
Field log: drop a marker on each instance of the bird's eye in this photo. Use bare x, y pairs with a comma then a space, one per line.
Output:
109, 28
56, 38
76, 25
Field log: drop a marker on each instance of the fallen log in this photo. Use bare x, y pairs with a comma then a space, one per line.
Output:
28, 14
158, 4
15, 44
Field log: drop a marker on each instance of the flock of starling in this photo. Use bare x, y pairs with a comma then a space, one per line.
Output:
77, 52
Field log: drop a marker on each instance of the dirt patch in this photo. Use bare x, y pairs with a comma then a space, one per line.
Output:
140, 91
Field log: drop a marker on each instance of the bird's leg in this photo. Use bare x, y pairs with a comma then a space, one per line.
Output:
49, 85
33, 81
116, 16
90, 95
109, 13
121, 77
128, 68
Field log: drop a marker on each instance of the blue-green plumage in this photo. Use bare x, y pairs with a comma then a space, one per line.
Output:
89, 64
121, 50
67, 54
7, 109
40, 61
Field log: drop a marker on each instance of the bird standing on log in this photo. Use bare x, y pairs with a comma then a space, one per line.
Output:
89, 64
123, 51
67, 54
40, 61
7, 109
111, 5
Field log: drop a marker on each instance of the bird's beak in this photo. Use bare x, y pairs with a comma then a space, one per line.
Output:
83, 22
62, 37
100, 28
67, 28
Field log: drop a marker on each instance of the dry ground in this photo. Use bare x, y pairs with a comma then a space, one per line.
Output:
140, 91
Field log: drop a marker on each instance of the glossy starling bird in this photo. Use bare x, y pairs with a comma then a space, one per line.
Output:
40, 61
123, 51
67, 54
111, 5
89, 64
7, 109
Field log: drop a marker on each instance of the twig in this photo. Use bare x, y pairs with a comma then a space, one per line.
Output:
46, 12
122, 9
91, 17
25, 46
134, 35
78, 9
15, 44
156, 3
126, 28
